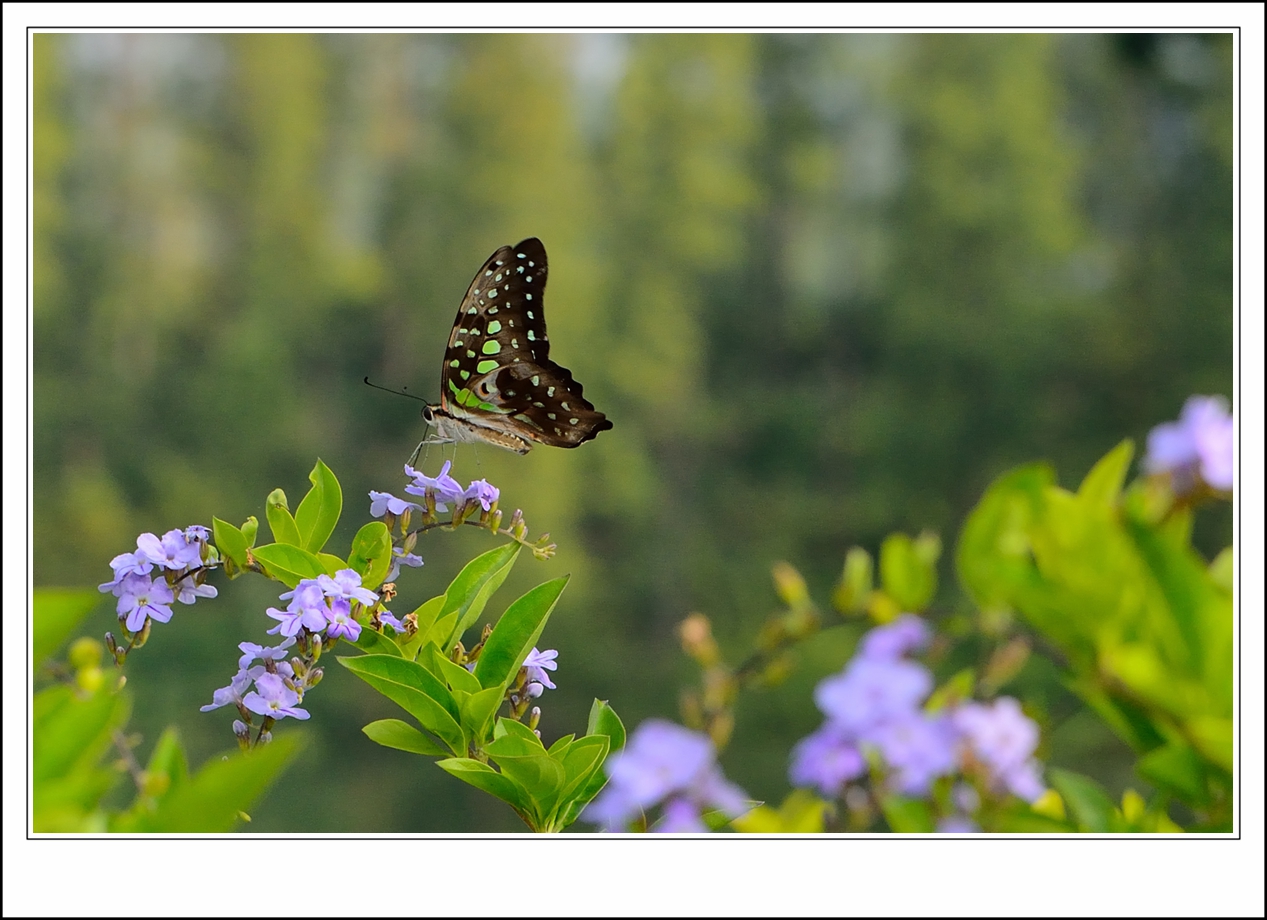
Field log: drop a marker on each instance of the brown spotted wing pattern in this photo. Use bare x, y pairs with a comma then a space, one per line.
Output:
498, 379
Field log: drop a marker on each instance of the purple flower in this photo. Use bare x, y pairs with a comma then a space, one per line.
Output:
173, 551
1025, 781
661, 760
271, 697
189, 591
538, 663
957, 824
251, 651
140, 597
919, 747
339, 622
291, 619
306, 595
126, 564
482, 492
1000, 735
826, 760
382, 502
1200, 442
681, 816
387, 618
905, 634
346, 584
230, 695
445, 487
871, 692
399, 558
196, 533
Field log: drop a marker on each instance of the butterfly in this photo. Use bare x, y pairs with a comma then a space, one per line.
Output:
498, 385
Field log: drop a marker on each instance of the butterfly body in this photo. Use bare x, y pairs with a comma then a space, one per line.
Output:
498, 385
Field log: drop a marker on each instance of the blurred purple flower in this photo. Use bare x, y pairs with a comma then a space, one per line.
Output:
906, 634
957, 824
1200, 442
871, 692
826, 760
681, 816
919, 748
1000, 735
399, 558
660, 760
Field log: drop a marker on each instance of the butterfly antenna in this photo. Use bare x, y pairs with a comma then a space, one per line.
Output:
400, 392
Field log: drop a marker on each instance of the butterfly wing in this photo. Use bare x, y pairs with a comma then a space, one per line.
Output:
497, 370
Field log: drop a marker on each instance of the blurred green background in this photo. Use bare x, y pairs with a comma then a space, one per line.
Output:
825, 286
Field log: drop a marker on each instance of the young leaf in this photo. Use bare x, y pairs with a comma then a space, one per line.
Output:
230, 541
319, 511
1103, 485
474, 585
906, 573
1088, 804
456, 676
371, 555
478, 710
516, 632
602, 721
279, 520
907, 816
288, 564
402, 736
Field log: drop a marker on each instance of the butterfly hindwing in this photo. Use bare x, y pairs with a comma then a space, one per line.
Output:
497, 371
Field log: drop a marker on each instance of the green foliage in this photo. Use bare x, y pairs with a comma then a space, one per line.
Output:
546, 788
1144, 625
77, 724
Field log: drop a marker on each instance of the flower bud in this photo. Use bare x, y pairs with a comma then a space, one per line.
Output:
143, 636
314, 677
534, 717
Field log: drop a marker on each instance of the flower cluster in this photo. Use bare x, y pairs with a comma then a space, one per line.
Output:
876, 706
1196, 448
665, 763
323, 603
182, 557
321, 611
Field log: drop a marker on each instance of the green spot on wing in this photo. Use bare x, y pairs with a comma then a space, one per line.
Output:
491, 348
494, 327
485, 366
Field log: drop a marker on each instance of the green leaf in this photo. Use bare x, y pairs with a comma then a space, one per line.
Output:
211, 801
332, 563
371, 555
1087, 803
474, 585
55, 614
478, 710
319, 511
906, 572
802, 812
516, 633
456, 676
535, 771
580, 759
288, 564
373, 642
484, 777
250, 528
440, 631
907, 816
560, 746
1176, 768
602, 721
402, 736
230, 541
168, 760
416, 690
69, 733
519, 734
993, 554
1103, 485
279, 520
855, 582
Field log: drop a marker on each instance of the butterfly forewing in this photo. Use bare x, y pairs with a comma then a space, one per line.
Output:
497, 370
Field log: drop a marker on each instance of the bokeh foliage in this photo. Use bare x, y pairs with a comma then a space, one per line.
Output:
826, 286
